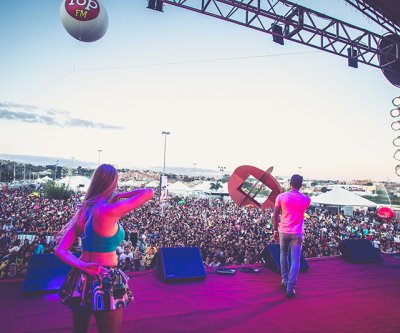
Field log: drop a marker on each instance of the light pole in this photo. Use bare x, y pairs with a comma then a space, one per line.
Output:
299, 169
99, 151
72, 165
55, 170
194, 170
222, 169
165, 146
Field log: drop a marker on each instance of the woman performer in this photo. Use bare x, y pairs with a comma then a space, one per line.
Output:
95, 285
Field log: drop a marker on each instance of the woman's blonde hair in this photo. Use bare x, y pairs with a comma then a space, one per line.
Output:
102, 187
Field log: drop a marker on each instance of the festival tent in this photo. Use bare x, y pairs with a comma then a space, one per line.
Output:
179, 188
341, 197
45, 179
202, 187
205, 187
153, 184
75, 183
131, 182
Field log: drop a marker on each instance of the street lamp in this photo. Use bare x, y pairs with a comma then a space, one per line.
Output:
100, 151
55, 170
165, 146
72, 166
299, 169
194, 170
222, 169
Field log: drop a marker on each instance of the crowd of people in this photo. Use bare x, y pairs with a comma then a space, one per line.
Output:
225, 233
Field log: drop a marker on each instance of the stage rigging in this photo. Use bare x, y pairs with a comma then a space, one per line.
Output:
286, 20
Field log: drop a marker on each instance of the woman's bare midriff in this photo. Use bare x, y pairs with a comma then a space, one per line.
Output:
101, 258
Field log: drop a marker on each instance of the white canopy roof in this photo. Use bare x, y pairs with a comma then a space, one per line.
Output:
153, 184
178, 188
341, 197
75, 182
205, 187
45, 179
130, 182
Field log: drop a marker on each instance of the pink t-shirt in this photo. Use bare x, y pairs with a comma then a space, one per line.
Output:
293, 206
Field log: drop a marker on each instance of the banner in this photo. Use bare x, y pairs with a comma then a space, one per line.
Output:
163, 188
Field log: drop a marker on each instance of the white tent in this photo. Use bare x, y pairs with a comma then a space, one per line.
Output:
131, 182
153, 184
45, 179
205, 187
179, 188
341, 197
75, 182
202, 187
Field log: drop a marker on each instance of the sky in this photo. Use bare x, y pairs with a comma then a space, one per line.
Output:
228, 95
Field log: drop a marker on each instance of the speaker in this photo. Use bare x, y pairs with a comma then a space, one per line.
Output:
45, 273
270, 256
180, 264
360, 251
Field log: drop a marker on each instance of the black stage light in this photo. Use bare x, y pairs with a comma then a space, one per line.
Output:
156, 5
277, 34
352, 55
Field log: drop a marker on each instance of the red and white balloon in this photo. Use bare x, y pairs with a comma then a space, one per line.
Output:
385, 213
85, 20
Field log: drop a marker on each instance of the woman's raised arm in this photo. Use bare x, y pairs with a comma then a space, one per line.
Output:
129, 201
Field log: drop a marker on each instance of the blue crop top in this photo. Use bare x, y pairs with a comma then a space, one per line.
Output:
93, 242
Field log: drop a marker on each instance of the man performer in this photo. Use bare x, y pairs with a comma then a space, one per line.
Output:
291, 207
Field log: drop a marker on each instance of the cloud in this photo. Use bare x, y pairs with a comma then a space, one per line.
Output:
33, 114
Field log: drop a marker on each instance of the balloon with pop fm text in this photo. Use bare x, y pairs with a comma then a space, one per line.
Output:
385, 213
85, 20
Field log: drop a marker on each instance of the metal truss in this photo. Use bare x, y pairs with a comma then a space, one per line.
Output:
286, 20
376, 16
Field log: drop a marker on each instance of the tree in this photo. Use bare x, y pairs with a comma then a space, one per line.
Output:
225, 178
215, 186
57, 192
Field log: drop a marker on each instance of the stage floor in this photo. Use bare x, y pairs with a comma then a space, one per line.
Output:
332, 296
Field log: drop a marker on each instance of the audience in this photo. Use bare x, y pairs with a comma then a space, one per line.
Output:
225, 233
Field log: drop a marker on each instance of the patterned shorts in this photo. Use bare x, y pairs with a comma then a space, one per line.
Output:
107, 292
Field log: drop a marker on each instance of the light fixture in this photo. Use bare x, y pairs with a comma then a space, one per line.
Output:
396, 155
396, 142
395, 112
396, 125
396, 101
352, 55
156, 5
277, 34
397, 170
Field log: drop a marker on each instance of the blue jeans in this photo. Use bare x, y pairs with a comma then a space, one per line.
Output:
294, 241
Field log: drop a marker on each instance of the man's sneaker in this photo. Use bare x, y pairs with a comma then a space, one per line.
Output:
291, 293
284, 284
